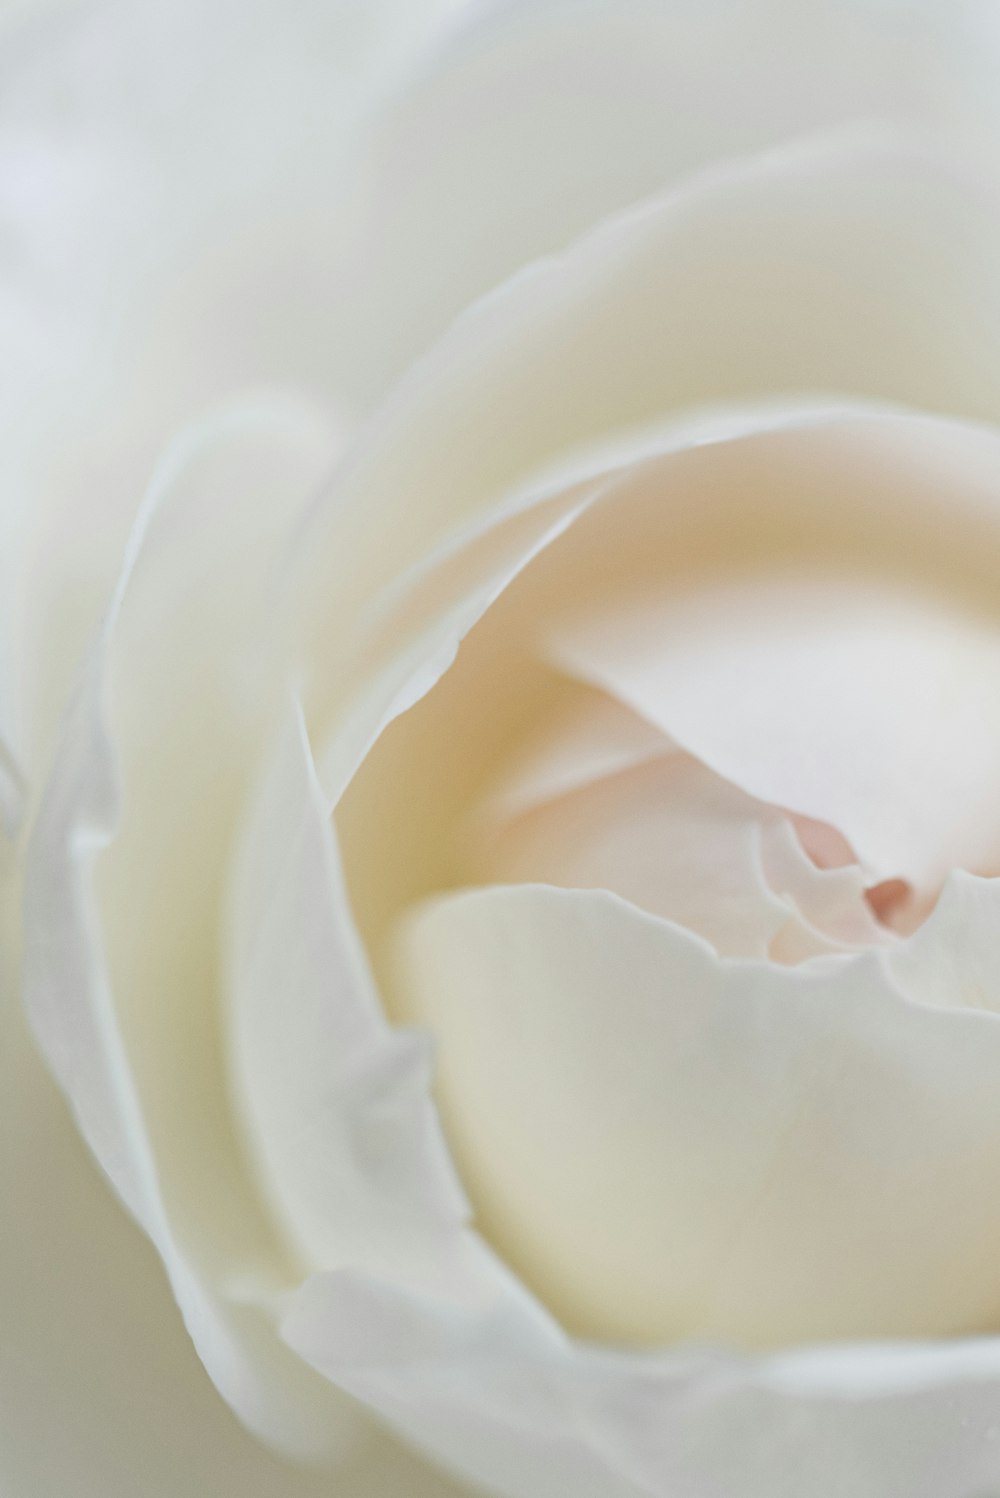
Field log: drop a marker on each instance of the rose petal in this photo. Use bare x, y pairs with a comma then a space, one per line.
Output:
854, 689
953, 959
616, 99
120, 951
583, 737
659, 311
857, 705
89, 159
168, 222
477, 1390
594, 797
831, 901
831, 498
335, 1102
101, 1391
669, 1145
669, 836
526, 1420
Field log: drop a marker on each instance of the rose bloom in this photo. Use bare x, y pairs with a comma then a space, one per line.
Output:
500, 722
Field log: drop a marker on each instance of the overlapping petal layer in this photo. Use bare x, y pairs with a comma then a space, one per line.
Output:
122, 907
675, 839
742, 555
855, 702
809, 484
749, 284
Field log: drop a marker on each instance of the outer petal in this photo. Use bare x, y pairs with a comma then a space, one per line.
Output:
123, 955
184, 264
166, 212
101, 1393
120, 950
721, 292
852, 1422
335, 1102
615, 99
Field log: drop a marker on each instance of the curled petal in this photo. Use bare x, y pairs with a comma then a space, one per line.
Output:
724, 544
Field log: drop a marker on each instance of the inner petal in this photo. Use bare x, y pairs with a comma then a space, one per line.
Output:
595, 798
807, 610
670, 836
579, 741
864, 705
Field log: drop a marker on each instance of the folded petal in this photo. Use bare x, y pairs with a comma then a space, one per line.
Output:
831, 901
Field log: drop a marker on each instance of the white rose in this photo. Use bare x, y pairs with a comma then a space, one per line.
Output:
556, 691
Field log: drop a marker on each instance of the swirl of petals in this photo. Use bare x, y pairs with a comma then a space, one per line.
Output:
315, 1231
